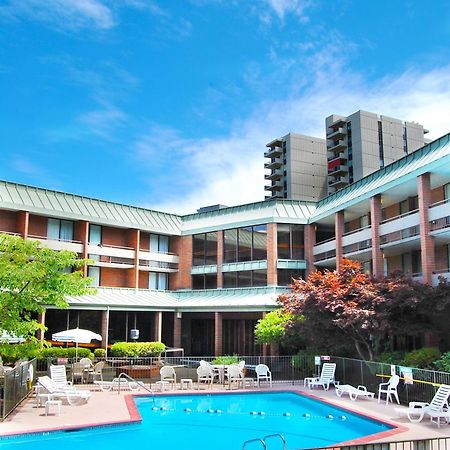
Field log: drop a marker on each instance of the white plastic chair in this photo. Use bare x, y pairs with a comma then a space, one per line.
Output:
167, 373
53, 391
389, 388
205, 374
437, 409
263, 374
326, 377
234, 375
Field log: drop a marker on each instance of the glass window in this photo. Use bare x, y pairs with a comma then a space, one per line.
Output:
284, 241
211, 248
198, 281
163, 244
158, 280
53, 229
447, 191
60, 229
66, 230
154, 243
230, 279
94, 273
285, 276
290, 240
244, 278
95, 234
245, 244
297, 236
198, 249
210, 281
230, 246
259, 277
259, 242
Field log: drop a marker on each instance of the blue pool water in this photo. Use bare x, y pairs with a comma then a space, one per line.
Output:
185, 422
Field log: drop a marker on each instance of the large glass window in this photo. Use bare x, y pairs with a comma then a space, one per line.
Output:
245, 278
285, 276
204, 249
60, 230
245, 244
159, 243
158, 280
94, 273
95, 234
204, 281
290, 240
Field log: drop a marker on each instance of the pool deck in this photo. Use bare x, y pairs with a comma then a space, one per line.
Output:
110, 407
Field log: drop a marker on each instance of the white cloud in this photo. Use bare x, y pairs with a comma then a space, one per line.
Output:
230, 170
61, 14
281, 8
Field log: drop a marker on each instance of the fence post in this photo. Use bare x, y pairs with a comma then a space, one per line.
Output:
362, 372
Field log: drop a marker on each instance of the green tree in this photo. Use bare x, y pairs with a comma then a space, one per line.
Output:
33, 277
271, 329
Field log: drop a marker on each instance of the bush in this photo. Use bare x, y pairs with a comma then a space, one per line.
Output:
391, 357
422, 358
13, 352
226, 360
99, 352
135, 349
63, 352
443, 363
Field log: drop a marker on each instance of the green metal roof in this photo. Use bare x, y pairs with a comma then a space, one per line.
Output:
60, 204
425, 159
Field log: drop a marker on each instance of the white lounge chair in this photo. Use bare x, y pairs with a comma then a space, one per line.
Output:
263, 374
389, 388
326, 377
354, 393
168, 374
437, 409
59, 376
51, 391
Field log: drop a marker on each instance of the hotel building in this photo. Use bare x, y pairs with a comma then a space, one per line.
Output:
201, 281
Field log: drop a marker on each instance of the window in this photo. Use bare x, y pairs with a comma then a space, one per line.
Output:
95, 234
159, 243
204, 281
94, 273
158, 281
285, 276
204, 249
290, 241
447, 191
245, 244
245, 278
60, 230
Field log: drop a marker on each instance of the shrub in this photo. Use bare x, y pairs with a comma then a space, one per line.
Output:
391, 357
63, 352
135, 349
443, 363
99, 352
226, 360
422, 358
13, 352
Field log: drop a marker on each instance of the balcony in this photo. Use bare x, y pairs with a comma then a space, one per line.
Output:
274, 195
400, 235
338, 145
273, 152
336, 133
112, 252
332, 156
336, 170
146, 255
275, 186
325, 256
157, 266
59, 244
338, 182
274, 175
338, 123
276, 163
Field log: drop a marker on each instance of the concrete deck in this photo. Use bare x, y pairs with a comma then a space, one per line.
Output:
111, 407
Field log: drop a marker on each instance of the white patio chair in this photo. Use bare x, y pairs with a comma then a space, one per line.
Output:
50, 390
326, 377
263, 374
234, 376
389, 388
437, 409
59, 376
168, 374
353, 393
205, 374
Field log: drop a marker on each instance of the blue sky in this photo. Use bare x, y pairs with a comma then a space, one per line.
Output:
168, 104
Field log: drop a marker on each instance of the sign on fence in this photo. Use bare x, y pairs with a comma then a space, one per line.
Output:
407, 374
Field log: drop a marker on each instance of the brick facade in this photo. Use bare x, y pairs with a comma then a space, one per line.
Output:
219, 259
8, 221
217, 334
310, 242
37, 226
183, 248
272, 254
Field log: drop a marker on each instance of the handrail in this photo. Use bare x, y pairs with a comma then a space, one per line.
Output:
254, 440
276, 435
139, 383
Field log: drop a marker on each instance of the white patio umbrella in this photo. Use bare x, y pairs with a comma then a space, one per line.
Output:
77, 335
11, 338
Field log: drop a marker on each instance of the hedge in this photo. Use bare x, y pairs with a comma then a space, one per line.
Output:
135, 349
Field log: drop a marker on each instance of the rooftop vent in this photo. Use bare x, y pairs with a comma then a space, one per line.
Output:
211, 208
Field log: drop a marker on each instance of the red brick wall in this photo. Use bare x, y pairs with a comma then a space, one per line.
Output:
375, 217
37, 226
23, 221
8, 221
183, 248
437, 194
115, 236
272, 254
310, 242
352, 225
145, 241
441, 257
339, 231
113, 277
391, 211
143, 280
219, 259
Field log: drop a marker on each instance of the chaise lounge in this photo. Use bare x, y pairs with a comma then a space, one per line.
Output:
354, 393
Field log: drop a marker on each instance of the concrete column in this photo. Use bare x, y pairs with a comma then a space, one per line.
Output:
310, 242
23, 221
176, 330
375, 219
272, 254
105, 326
219, 259
426, 241
158, 326
217, 334
339, 231
40, 333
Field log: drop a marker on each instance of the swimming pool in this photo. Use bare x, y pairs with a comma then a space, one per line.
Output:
219, 421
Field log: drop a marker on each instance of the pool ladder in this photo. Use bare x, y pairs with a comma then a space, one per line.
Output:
139, 383
264, 439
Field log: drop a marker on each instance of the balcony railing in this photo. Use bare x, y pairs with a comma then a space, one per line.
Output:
400, 235
440, 224
390, 219
45, 238
326, 255
273, 152
158, 264
357, 246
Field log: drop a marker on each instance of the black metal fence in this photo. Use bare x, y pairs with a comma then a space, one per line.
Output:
425, 444
15, 385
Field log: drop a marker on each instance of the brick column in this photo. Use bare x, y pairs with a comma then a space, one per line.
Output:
426, 241
182, 279
219, 259
158, 326
272, 254
40, 333
217, 334
176, 330
23, 221
105, 326
310, 242
134, 241
82, 235
339, 231
375, 219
